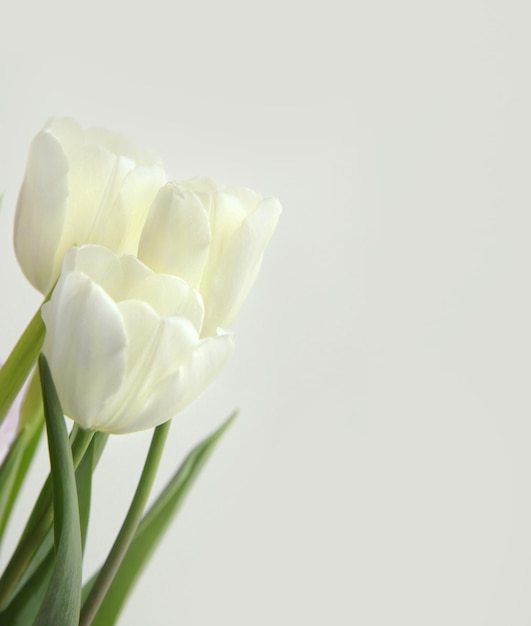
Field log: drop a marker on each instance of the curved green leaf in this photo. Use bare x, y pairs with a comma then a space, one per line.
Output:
151, 529
61, 602
20, 362
27, 554
25, 606
16, 464
30, 594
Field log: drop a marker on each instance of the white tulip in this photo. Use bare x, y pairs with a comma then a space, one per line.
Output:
81, 186
124, 343
214, 238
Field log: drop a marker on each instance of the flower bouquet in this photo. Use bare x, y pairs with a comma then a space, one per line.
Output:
141, 280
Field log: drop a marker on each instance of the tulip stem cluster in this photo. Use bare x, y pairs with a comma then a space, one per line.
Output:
34, 553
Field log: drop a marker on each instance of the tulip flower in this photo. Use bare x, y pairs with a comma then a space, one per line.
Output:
81, 186
124, 343
214, 238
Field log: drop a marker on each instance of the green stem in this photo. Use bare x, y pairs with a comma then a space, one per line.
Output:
128, 529
19, 363
38, 524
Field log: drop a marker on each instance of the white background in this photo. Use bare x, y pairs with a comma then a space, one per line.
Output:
380, 470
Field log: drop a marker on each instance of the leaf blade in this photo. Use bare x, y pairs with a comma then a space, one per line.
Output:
61, 602
152, 526
20, 363
26, 602
15, 467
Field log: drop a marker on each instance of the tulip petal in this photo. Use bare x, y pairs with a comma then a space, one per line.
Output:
123, 224
126, 278
237, 268
117, 275
226, 215
41, 210
157, 347
170, 296
85, 345
95, 179
176, 236
177, 390
80, 187
101, 265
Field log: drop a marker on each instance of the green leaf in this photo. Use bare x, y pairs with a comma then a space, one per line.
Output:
31, 411
27, 554
61, 602
94, 453
25, 606
8, 475
30, 594
151, 529
13, 472
20, 363
15, 467
84, 472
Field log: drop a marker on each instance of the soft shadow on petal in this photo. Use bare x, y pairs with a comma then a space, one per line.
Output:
98, 263
170, 296
176, 391
126, 278
157, 347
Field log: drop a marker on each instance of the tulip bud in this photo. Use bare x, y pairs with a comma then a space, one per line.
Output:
81, 186
123, 343
214, 238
